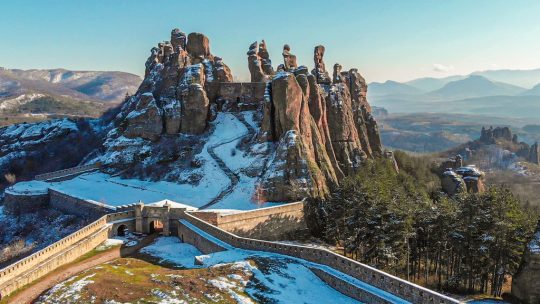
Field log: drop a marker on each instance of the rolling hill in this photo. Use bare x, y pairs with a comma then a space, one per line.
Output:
475, 86
34, 95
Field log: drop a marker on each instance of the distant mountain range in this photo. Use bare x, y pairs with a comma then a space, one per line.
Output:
503, 93
60, 91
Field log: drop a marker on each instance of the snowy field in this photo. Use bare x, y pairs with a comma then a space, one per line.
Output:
115, 191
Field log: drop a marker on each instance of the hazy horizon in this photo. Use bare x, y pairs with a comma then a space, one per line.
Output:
384, 40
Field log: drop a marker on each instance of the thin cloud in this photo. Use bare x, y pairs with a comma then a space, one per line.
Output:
437, 67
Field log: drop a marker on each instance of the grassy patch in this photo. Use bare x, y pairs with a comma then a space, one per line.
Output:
136, 280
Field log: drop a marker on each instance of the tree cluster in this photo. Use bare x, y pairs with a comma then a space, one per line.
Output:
402, 223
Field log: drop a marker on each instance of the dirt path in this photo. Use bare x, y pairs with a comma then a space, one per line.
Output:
31, 293
234, 177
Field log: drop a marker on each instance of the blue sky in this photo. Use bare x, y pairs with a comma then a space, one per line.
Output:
397, 40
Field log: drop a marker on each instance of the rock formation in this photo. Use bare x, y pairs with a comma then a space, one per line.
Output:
318, 129
254, 63
526, 282
259, 63
534, 154
320, 69
289, 60
325, 131
458, 179
491, 135
173, 96
452, 183
494, 135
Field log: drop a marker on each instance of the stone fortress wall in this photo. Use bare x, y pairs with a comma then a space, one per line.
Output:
271, 223
384, 281
262, 223
67, 173
62, 252
77, 244
24, 203
53, 256
251, 93
72, 205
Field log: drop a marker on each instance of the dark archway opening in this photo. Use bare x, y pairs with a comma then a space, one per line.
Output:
156, 226
121, 231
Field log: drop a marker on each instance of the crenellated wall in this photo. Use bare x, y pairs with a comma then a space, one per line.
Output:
53, 256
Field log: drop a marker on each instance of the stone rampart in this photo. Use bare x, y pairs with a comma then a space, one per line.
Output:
272, 223
243, 95
72, 205
384, 281
66, 173
23, 203
53, 256
348, 289
204, 245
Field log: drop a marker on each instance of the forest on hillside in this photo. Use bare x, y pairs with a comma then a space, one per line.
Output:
403, 223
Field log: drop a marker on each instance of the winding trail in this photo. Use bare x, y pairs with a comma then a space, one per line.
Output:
234, 177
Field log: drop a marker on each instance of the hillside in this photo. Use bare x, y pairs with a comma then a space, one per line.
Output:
437, 132
34, 95
475, 86
486, 93
392, 88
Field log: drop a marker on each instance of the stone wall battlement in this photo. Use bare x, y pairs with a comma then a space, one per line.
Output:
14, 270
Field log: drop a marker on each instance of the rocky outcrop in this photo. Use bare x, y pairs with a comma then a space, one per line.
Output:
491, 135
173, 96
467, 178
28, 149
452, 183
526, 281
319, 71
495, 135
254, 63
259, 63
289, 60
534, 154
321, 128
146, 120
328, 126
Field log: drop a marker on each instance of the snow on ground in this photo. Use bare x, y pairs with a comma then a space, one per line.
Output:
72, 294
244, 196
233, 254
129, 240
115, 191
281, 280
30, 187
171, 250
109, 243
534, 245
